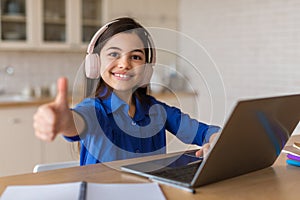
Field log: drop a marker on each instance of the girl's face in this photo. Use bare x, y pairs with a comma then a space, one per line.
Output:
123, 62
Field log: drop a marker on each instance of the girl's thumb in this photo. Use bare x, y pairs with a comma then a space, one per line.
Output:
62, 92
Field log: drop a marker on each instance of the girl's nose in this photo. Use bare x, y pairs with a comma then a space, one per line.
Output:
124, 62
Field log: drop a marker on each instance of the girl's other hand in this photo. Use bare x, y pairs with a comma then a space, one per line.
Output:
205, 148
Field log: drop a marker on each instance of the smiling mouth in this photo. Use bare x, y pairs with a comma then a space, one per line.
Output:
122, 76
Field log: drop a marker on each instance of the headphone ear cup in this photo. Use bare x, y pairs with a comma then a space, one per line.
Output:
92, 66
147, 75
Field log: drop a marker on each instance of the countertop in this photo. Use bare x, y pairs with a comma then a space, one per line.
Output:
18, 101
27, 102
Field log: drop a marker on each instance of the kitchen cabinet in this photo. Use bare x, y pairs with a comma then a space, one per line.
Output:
54, 21
13, 20
92, 18
73, 22
59, 150
49, 24
20, 150
68, 25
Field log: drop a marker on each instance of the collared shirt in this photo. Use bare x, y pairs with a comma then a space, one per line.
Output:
111, 134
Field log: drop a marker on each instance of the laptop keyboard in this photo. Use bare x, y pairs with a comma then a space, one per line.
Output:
181, 174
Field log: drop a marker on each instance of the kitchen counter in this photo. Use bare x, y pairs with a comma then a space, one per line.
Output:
18, 100
23, 102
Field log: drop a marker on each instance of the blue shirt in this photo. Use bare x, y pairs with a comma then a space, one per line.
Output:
111, 134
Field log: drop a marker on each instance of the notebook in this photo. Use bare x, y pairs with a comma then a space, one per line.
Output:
84, 191
251, 139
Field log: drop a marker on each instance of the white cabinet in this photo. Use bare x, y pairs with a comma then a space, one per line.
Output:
70, 24
20, 150
14, 20
59, 150
92, 18
54, 21
49, 24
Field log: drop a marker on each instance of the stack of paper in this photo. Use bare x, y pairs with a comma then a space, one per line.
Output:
293, 154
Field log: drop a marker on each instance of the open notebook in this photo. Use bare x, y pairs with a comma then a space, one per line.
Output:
82, 190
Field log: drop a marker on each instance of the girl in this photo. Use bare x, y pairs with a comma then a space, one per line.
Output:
121, 121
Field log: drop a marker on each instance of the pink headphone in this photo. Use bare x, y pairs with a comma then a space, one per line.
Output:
92, 60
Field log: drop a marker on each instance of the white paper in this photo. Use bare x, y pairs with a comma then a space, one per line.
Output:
70, 191
132, 191
62, 191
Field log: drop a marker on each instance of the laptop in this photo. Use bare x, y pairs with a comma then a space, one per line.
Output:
252, 139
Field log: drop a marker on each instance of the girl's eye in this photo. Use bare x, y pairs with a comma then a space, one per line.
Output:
136, 57
114, 54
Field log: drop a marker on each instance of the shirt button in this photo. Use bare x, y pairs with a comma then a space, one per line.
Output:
133, 123
137, 151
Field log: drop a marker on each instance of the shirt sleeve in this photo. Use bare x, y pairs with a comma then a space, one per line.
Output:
86, 109
211, 130
188, 130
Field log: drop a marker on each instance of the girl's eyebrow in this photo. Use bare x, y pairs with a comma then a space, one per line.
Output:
113, 48
119, 49
138, 50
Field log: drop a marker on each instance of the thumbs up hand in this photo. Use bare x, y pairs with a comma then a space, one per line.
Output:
55, 117
61, 100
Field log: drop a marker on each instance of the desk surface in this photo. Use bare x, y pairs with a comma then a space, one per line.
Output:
280, 181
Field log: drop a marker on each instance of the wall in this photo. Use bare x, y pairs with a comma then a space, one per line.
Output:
36, 69
254, 44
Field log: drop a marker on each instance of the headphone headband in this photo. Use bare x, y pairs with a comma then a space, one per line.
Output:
94, 39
